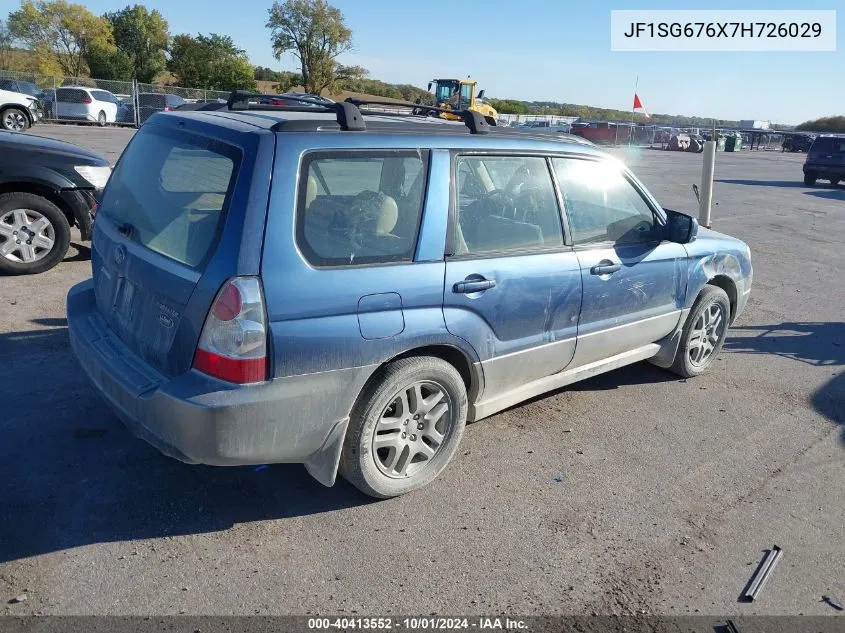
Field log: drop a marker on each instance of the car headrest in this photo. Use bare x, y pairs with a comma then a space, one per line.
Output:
374, 212
310, 191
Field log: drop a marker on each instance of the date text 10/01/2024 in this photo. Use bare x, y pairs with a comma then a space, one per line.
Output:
418, 624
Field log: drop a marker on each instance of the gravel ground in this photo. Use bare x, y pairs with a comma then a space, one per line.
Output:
672, 490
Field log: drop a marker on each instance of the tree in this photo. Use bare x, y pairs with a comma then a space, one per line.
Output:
315, 32
5, 45
212, 62
830, 124
61, 34
141, 37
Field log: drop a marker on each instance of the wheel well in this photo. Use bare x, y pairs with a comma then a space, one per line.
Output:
726, 284
452, 355
44, 192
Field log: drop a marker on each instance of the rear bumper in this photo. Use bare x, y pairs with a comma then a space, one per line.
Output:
199, 420
825, 170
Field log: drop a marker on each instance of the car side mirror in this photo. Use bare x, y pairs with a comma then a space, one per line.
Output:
680, 227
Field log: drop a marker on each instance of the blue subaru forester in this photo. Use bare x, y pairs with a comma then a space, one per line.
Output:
346, 288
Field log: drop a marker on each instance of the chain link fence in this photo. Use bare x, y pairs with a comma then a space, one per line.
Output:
101, 101
125, 103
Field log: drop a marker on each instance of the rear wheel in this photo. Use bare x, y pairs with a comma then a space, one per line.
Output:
34, 234
809, 179
14, 120
101, 119
405, 427
704, 333
834, 181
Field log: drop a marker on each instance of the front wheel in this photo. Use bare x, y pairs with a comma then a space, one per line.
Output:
34, 234
14, 120
101, 119
704, 333
809, 180
405, 427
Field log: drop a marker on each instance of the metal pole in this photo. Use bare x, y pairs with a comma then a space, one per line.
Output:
636, 87
708, 167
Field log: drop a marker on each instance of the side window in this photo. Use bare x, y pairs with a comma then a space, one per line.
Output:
466, 94
505, 203
360, 207
602, 205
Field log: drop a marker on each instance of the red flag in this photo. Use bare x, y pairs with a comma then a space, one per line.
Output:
638, 105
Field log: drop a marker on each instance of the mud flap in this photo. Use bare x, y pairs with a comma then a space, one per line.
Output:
669, 345
322, 465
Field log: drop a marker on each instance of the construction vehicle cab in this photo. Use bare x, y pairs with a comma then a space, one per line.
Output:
459, 94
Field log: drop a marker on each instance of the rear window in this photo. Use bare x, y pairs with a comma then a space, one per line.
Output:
829, 145
360, 207
172, 188
102, 95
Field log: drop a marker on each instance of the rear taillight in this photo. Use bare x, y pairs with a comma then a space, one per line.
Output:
167, 108
233, 343
87, 100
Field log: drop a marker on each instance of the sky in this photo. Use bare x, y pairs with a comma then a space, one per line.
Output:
544, 50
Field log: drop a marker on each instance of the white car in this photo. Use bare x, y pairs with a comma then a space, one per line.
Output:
17, 111
80, 103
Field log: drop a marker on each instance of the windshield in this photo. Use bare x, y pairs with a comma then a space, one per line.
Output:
445, 90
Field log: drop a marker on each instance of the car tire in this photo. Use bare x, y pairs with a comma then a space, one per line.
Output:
704, 333
834, 182
809, 180
101, 119
57, 230
14, 120
388, 408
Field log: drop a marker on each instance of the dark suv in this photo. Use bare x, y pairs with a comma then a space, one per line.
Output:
825, 160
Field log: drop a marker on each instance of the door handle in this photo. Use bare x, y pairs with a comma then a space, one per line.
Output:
605, 268
467, 287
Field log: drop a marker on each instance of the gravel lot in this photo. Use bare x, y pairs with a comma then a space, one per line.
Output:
672, 489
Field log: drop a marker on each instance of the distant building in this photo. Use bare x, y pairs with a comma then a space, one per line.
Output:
754, 125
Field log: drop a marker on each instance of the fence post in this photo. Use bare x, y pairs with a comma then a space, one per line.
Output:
136, 102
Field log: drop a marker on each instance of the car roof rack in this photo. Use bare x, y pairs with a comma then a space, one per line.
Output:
475, 121
348, 115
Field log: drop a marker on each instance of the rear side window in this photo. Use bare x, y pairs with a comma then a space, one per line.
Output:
828, 145
174, 100
72, 95
172, 189
360, 207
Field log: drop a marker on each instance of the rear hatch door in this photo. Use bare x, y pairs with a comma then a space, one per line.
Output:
828, 151
167, 234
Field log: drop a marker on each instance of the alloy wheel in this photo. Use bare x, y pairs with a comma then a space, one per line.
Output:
412, 429
26, 236
706, 334
14, 120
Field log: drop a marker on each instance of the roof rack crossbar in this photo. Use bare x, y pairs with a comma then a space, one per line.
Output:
476, 123
348, 116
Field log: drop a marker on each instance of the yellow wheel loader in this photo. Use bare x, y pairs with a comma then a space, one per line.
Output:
459, 94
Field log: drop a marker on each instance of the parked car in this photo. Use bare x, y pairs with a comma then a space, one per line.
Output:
17, 85
347, 290
81, 103
797, 142
18, 111
151, 102
46, 187
825, 160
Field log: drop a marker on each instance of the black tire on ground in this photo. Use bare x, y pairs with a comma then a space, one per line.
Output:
101, 119
834, 181
61, 229
709, 297
358, 463
10, 114
809, 180
490, 120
